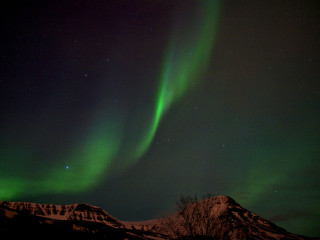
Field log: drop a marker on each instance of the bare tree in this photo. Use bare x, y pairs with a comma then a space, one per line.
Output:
171, 228
194, 219
197, 216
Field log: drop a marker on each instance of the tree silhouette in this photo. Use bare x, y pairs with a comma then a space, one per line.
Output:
194, 221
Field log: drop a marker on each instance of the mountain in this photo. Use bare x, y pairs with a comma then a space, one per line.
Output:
77, 212
218, 218
19, 220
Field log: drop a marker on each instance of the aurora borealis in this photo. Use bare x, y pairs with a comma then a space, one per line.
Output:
183, 63
128, 104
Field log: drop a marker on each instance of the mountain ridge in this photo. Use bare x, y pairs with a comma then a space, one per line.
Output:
77, 211
225, 219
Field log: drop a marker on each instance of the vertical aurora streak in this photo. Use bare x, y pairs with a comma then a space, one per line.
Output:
186, 59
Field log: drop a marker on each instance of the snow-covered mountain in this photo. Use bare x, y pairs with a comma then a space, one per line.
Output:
19, 220
217, 218
220, 217
80, 212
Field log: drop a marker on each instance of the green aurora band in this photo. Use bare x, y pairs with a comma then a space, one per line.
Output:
89, 162
183, 65
186, 59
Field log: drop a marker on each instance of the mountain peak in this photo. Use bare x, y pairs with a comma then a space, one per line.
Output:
222, 199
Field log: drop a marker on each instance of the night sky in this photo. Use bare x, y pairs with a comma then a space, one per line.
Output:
128, 104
